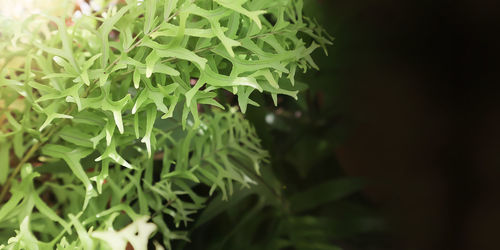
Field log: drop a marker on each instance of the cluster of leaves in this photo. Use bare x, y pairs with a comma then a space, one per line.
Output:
313, 205
89, 106
309, 202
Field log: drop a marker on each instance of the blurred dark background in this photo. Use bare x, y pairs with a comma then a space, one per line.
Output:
414, 87
406, 102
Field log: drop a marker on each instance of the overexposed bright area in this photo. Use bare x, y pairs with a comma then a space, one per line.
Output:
20, 9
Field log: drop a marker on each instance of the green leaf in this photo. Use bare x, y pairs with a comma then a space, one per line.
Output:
170, 30
150, 119
89, 118
47, 211
325, 192
217, 80
143, 203
83, 236
104, 30
99, 179
72, 157
50, 111
8, 207
218, 206
76, 136
236, 6
4, 162
18, 143
63, 63
151, 62
137, 78
150, 15
116, 108
176, 52
165, 69
168, 7
111, 153
213, 18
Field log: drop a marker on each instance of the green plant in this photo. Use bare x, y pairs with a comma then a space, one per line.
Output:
111, 122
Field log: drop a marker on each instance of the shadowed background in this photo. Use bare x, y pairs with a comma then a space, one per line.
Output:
416, 83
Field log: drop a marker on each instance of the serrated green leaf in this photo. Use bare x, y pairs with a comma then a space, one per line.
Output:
104, 30
176, 52
111, 153
72, 157
51, 114
150, 119
116, 108
236, 6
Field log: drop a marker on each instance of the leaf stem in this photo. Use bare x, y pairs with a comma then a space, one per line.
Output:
18, 169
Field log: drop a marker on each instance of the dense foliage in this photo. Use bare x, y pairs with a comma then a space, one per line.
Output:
112, 120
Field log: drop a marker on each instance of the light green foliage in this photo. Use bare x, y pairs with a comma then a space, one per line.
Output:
86, 109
